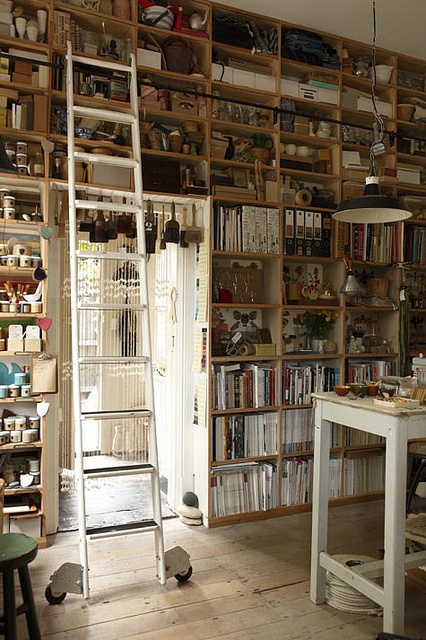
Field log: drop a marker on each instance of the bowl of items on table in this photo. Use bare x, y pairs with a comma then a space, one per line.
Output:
357, 389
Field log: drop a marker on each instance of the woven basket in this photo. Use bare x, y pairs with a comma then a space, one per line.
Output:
260, 154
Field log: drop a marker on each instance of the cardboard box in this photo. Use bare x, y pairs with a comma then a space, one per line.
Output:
111, 176
40, 112
222, 73
21, 78
23, 67
366, 104
267, 349
243, 78
147, 58
349, 100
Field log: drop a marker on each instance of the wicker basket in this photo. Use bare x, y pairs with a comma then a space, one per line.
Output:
260, 154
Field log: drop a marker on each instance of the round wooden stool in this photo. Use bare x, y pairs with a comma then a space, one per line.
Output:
16, 552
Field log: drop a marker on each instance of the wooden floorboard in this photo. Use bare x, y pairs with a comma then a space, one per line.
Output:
250, 582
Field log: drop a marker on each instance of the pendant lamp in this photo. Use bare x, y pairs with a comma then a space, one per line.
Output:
372, 206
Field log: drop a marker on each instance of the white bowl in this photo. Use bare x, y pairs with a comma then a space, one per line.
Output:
302, 151
383, 72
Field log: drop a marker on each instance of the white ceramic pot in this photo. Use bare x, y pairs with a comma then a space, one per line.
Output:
302, 151
290, 149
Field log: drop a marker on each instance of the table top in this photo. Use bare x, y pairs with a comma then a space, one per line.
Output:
368, 403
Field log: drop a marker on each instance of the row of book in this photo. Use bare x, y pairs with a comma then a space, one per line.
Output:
22, 111
415, 245
370, 371
244, 385
243, 488
301, 380
368, 242
364, 471
244, 436
307, 233
298, 431
246, 228
296, 481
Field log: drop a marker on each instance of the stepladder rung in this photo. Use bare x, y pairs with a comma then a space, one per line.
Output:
102, 64
104, 255
112, 161
91, 306
99, 205
120, 471
109, 415
105, 114
122, 529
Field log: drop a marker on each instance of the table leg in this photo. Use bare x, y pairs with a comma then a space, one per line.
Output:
321, 482
394, 534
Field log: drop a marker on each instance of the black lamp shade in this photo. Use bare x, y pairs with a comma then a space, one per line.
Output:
372, 207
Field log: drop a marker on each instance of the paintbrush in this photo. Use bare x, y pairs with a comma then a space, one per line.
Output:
183, 242
171, 233
162, 241
194, 234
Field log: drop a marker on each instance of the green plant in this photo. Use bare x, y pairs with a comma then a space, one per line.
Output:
318, 324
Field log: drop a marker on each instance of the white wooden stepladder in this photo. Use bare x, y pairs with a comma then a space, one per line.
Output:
134, 357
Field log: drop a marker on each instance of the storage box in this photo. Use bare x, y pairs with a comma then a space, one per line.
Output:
290, 87
222, 73
308, 93
33, 345
409, 175
328, 95
15, 344
111, 176
264, 82
147, 58
218, 148
366, 104
243, 78
183, 103
349, 100
160, 175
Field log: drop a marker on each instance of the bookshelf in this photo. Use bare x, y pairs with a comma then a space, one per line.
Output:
273, 179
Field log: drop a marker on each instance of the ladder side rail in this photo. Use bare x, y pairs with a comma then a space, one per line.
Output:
140, 229
78, 435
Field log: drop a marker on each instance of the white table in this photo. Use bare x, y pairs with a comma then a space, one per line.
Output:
397, 426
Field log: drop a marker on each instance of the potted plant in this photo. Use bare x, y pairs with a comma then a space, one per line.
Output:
318, 326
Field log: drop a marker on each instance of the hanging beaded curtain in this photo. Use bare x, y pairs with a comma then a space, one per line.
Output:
104, 331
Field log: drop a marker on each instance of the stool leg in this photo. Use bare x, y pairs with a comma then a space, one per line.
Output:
9, 605
28, 598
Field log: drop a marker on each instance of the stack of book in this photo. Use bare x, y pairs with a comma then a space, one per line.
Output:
244, 436
244, 385
248, 229
301, 380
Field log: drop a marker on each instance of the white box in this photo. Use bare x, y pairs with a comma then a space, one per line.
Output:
328, 95
33, 345
290, 87
147, 58
15, 344
29, 525
243, 78
308, 93
412, 176
264, 82
366, 104
111, 176
222, 73
349, 100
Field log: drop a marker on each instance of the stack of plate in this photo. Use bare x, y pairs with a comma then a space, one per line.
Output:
344, 597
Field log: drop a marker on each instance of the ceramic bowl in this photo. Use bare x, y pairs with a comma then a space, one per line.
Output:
342, 389
372, 388
359, 389
383, 72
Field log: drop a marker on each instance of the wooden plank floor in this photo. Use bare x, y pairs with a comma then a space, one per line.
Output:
250, 581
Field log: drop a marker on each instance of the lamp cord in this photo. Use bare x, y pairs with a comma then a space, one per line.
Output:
379, 126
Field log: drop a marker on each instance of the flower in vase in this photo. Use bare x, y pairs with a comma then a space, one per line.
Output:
318, 324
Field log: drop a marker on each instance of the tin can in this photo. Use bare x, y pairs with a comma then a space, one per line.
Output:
15, 436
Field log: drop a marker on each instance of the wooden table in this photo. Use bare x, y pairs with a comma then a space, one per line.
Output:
397, 426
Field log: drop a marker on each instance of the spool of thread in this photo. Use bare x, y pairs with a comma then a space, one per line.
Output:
244, 349
15, 436
303, 197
